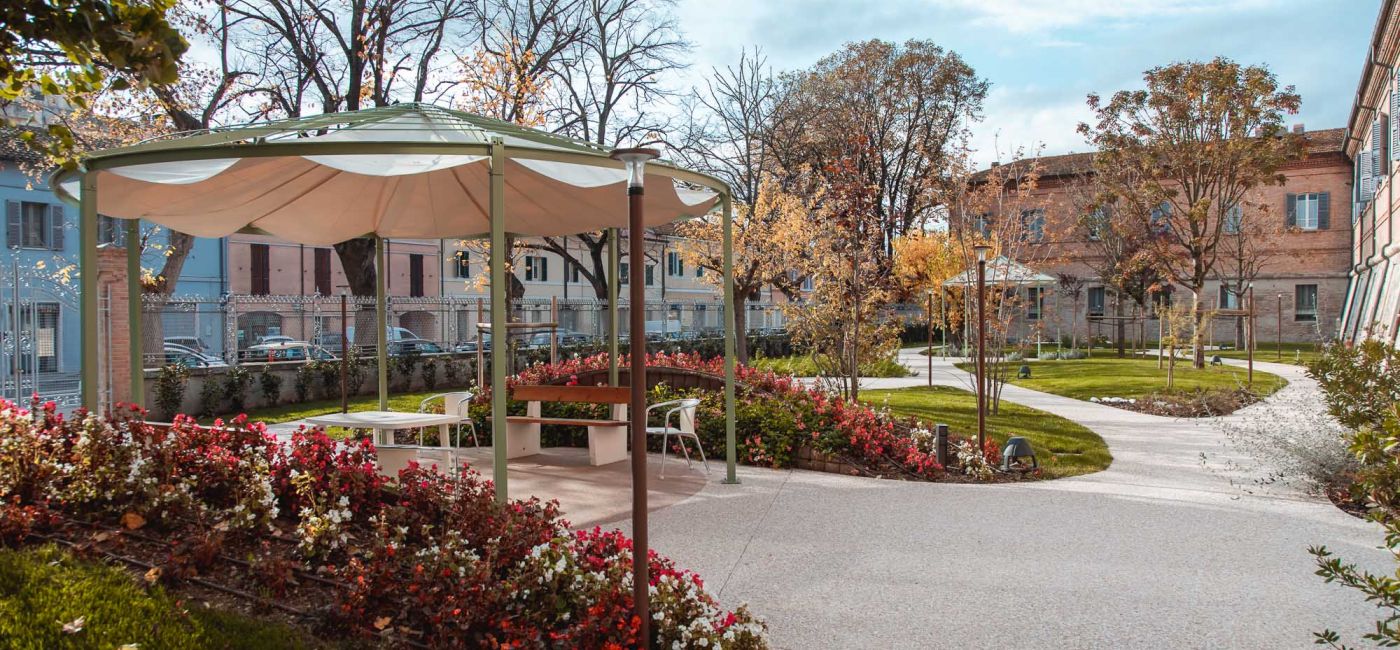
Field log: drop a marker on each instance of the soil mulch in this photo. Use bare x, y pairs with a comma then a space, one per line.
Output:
1192, 404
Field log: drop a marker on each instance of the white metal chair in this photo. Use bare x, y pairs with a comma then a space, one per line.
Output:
459, 404
685, 410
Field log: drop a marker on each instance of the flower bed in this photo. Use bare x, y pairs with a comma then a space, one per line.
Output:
311, 531
777, 416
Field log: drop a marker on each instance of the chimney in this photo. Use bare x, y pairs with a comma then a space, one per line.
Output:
1298, 128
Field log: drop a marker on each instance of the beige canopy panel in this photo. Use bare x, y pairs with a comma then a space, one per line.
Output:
406, 171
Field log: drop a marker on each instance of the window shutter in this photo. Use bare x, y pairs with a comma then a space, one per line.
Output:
1395, 126
1324, 210
1382, 146
56, 227
1290, 210
12, 224
1367, 187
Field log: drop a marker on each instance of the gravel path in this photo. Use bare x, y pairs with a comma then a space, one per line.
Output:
1155, 552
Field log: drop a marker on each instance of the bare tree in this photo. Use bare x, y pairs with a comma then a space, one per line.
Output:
1247, 244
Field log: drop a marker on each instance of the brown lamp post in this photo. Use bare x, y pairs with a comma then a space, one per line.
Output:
929, 351
1249, 320
635, 160
1279, 343
982, 250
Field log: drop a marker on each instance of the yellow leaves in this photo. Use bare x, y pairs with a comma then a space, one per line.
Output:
382, 622
153, 576
133, 521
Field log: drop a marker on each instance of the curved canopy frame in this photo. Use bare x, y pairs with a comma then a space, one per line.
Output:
404, 171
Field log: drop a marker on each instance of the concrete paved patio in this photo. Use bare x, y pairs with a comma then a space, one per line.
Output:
1154, 552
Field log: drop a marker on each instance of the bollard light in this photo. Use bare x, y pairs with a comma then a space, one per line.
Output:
1016, 449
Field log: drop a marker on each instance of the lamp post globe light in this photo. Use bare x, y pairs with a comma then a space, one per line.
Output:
635, 161
981, 250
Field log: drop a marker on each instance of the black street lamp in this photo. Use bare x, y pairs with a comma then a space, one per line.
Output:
982, 250
635, 160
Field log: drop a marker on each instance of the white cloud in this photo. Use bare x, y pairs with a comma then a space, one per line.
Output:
1025, 122
1029, 16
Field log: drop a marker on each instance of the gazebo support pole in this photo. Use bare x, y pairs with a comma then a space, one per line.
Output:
613, 280
730, 438
381, 324
499, 257
87, 286
637, 347
133, 311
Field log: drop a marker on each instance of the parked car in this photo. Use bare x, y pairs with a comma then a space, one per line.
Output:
175, 354
287, 351
192, 342
274, 338
469, 345
414, 346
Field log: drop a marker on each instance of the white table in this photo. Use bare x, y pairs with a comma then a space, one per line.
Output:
388, 421
394, 457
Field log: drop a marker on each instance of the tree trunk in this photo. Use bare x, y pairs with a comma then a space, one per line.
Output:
741, 338
1118, 322
1198, 348
163, 285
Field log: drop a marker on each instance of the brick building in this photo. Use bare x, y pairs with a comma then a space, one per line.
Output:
1373, 134
1305, 275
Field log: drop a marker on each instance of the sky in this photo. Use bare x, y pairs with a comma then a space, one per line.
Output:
1043, 57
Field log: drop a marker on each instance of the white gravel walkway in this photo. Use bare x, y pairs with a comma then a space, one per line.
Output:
1155, 552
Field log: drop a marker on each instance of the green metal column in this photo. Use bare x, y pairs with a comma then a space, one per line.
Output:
730, 443
613, 280
499, 258
381, 325
133, 311
87, 286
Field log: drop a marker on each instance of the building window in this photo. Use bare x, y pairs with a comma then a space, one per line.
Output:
650, 272
675, 267
1095, 222
574, 274
1228, 299
624, 272
463, 266
807, 283
260, 270
1307, 211
536, 269
111, 231
1159, 216
983, 224
1035, 301
1096, 301
34, 225
415, 275
699, 271
321, 268
1305, 302
1032, 225
1234, 219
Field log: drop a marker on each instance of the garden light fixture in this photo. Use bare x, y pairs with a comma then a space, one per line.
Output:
636, 160
1017, 448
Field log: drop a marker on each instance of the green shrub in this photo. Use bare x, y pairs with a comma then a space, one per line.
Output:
306, 376
429, 373
1361, 385
236, 383
270, 384
170, 388
211, 397
451, 371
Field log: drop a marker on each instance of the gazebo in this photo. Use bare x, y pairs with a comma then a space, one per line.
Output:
403, 171
1003, 272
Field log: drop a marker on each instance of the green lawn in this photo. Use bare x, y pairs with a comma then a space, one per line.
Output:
801, 365
289, 412
43, 588
1298, 354
1062, 447
1133, 378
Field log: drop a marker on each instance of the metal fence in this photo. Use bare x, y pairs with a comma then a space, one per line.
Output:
242, 328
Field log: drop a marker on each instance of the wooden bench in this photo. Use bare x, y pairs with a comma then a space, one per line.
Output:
607, 439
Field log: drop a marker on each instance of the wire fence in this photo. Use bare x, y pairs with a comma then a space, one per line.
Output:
234, 329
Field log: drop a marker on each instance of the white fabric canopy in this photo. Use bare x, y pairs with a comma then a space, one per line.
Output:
325, 199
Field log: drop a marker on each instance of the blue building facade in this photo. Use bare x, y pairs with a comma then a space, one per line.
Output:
39, 253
